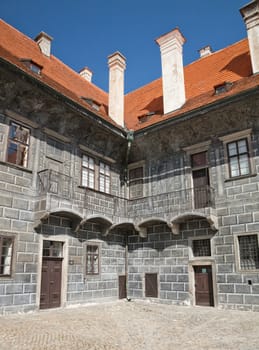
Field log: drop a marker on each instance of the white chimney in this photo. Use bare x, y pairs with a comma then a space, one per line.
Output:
171, 45
44, 42
205, 51
86, 73
117, 65
250, 14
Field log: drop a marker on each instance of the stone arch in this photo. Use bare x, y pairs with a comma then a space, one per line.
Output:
141, 227
75, 216
175, 222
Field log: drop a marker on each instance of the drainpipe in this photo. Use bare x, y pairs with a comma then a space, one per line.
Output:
126, 263
130, 138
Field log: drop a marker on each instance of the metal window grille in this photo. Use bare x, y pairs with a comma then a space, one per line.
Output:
201, 247
248, 252
92, 259
6, 253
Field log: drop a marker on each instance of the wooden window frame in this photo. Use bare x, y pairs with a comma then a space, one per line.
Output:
238, 156
93, 171
18, 143
234, 137
3, 236
106, 178
92, 255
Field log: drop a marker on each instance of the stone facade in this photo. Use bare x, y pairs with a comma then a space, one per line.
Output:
101, 243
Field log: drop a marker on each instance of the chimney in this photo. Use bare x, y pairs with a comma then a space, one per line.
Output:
171, 45
205, 51
117, 65
250, 14
44, 42
86, 73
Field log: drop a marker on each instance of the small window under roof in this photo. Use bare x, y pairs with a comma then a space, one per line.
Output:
34, 67
222, 87
95, 105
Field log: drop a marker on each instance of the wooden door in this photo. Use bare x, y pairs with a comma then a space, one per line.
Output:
201, 188
50, 296
122, 287
203, 285
151, 285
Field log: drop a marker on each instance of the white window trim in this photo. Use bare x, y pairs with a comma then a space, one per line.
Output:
92, 243
237, 251
244, 134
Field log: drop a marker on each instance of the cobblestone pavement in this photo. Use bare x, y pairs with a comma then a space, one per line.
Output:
131, 325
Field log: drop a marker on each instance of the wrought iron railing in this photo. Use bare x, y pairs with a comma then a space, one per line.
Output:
98, 202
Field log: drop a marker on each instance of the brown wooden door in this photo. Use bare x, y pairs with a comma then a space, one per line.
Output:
50, 283
203, 285
122, 287
201, 188
151, 285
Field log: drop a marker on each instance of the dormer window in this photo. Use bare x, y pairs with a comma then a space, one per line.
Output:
95, 105
34, 67
223, 87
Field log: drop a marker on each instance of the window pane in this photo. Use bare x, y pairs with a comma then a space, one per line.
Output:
244, 164
92, 259
201, 247
88, 171
234, 169
6, 244
248, 252
242, 146
232, 149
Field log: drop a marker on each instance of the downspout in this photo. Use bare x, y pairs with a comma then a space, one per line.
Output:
130, 138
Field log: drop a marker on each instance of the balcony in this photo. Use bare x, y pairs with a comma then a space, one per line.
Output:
63, 188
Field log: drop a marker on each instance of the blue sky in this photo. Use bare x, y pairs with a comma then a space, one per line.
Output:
85, 32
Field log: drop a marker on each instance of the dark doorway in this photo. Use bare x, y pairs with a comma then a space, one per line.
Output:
50, 295
203, 285
151, 285
122, 287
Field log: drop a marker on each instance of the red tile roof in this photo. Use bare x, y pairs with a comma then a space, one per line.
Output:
231, 64
15, 46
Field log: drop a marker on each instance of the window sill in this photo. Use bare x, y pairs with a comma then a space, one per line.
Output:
15, 166
94, 190
240, 177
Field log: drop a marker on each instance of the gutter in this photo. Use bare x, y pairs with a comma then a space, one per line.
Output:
69, 102
197, 112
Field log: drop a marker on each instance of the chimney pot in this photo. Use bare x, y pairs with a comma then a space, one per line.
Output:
205, 51
117, 65
86, 73
44, 42
172, 69
250, 14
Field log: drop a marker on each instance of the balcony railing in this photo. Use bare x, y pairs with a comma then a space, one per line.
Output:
98, 202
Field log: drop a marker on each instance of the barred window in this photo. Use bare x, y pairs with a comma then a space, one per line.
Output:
6, 253
201, 247
248, 252
136, 182
92, 259
18, 144
238, 158
104, 178
88, 171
